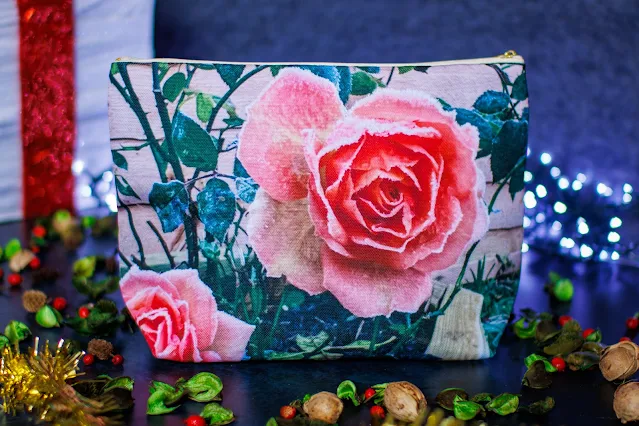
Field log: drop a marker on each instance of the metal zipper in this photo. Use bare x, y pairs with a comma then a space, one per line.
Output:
508, 57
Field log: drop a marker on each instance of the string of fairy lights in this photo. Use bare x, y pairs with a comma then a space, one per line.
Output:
576, 217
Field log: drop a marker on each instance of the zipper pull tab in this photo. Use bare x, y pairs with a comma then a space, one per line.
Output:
508, 54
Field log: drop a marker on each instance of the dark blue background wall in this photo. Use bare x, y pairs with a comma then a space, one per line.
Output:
582, 55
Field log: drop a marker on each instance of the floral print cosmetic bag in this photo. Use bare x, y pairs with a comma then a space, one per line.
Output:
319, 211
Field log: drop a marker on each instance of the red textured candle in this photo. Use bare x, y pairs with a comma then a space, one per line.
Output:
48, 104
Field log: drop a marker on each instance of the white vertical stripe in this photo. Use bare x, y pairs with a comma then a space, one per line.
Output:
10, 138
105, 30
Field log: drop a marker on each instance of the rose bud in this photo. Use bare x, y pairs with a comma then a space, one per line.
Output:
626, 402
324, 406
404, 401
619, 361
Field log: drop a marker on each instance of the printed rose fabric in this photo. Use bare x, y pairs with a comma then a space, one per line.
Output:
365, 203
178, 316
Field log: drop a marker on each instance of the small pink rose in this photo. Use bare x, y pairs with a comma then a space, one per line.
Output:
364, 203
178, 316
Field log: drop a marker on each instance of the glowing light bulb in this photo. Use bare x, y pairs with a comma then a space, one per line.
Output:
585, 251
614, 237
560, 208
577, 185
601, 188
107, 176
524, 248
556, 226
627, 198
627, 188
583, 228
111, 202
581, 177
526, 222
77, 167
528, 176
529, 200
563, 183
541, 191
555, 172
614, 255
85, 191
540, 217
603, 255
615, 222
567, 242
545, 158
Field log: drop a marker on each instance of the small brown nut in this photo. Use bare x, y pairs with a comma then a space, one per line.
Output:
619, 361
20, 260
324, 406
404, 401
626, 402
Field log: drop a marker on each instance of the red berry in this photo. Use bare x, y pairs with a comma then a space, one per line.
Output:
84, 312
287, 412
195, 420
35, 263
625, 339
39, 231
564, 319
14, 279
59, 303
35, 249
587, 332
632, 323
370, 392
117, 360
88, 359
378, 411
558, 363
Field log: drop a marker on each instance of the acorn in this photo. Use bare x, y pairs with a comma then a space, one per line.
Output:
626, 402
102, 349
404, 401
33, 300
324, 406
619, 361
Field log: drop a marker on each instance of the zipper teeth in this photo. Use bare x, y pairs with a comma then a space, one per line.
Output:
502, 59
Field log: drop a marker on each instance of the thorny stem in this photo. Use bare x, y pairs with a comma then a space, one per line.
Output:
163, 243
228, 94
124, 259
132, 99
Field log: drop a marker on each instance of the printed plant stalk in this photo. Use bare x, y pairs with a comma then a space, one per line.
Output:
163, 243
142, 261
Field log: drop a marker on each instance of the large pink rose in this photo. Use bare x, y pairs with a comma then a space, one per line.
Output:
364, 203
178, 316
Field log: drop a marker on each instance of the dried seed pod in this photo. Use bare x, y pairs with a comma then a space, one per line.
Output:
33, 300
404, 401
20, 260
626, 402
324, 406
100, 348
619, 361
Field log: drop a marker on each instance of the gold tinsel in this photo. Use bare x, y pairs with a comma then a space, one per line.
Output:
36, 383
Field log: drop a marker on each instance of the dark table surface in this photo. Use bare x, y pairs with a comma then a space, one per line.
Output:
605, 295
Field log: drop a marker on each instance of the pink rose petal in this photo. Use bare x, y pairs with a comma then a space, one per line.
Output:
232, 337
271, 141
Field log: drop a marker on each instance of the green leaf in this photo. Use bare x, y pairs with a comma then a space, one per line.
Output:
423, 69
4, 341
516, 183
504, 404
230, 73
217, 415
520, 88
84, 267
372, 70
348, 390
48, 317
283, 356
170, 202
594, 347
272, 422
275, 69
233, 122
539, 408
508, 147
404, 70
567, 342
483, 397
536, 376
465, 410
119, 160
582, 360
293, 297
326, 356
345, 83
546, 330
239, 170
486, 133
123, 382
363, 84
530, 359
203, 66
193, 145
12, 247
312, 343
446, 398
156, 406
594, 337
203, 107
114, 69
16, 332
525, 329
123, 187
210, 250
174, 86
246, 189
163, 67
204, 387
491, 102
216, 207
164, 398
